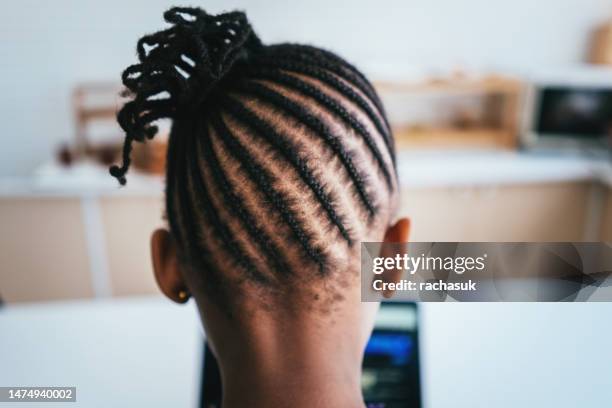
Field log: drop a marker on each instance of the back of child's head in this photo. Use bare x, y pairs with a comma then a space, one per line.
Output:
280, 158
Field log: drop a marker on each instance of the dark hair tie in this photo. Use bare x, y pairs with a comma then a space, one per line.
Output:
178, 69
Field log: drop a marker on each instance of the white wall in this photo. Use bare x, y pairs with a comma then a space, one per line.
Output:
47, 47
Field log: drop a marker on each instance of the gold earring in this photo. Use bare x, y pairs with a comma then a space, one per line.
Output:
183, 295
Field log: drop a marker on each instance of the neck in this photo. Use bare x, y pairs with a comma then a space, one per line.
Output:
316, 384
298, 362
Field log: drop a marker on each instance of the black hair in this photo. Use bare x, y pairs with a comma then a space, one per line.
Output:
242, 110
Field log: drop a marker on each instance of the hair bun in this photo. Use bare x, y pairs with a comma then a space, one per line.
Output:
179, 67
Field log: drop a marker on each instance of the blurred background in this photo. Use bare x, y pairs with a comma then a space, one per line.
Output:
502, 112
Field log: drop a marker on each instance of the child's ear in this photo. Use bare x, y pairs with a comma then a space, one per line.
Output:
398, 232
166, 266
395, 243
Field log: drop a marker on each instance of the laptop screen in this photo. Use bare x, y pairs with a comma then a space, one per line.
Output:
391, 373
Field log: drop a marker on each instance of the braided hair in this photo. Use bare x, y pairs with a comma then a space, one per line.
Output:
279, 156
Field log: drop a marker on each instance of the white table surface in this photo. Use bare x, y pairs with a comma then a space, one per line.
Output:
133, 352
145, 352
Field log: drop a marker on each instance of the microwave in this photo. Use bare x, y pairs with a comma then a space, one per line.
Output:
570, 112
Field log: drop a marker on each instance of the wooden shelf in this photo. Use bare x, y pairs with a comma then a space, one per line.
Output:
453, 138
486, 85
493, 122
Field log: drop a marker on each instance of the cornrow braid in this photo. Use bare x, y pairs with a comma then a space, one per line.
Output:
203, 201
275, 139
194, 246
311, 121
333, 81
263, 178
321, 58
333, 63
333, 106
260, 177
257, 234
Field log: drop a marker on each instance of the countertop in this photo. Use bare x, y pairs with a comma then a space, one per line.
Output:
416, 169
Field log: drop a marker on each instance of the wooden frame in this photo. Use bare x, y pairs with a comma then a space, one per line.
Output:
504, 94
